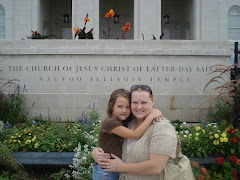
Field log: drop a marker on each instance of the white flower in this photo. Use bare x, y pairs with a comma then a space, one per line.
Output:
67, 175
84, 158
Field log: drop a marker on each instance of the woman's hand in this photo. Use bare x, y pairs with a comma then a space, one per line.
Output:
113, 165
98, 155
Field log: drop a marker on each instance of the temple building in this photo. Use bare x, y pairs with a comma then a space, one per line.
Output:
214, 20
171, 45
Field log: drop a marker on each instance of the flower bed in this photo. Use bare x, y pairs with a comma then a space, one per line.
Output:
57, 140
209, 139
42, 142
215, 145
46, 136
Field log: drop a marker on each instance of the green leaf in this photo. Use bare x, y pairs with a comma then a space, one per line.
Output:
198, 153
221, 150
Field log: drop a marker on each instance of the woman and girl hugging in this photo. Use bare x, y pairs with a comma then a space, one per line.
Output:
135, 142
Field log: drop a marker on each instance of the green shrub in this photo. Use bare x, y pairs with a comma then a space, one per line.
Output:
15, 169
220, 112
5, 175
61, 175
227, 89
11, 106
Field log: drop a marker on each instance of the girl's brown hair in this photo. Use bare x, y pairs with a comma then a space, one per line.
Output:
113, 98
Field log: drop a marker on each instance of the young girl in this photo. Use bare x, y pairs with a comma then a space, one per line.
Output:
113, 129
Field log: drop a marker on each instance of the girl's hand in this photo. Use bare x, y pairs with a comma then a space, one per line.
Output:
158, 119
156, 114
98, 155
113, 165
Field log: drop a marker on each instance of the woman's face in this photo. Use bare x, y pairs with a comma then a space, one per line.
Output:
141, 104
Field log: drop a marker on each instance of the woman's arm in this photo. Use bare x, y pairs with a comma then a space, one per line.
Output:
152, 166
140, 130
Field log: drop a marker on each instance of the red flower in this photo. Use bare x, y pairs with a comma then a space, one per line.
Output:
233, 158
200, 177
235, 178
235, 140
232, 131
219, 160
234, 172
195, 164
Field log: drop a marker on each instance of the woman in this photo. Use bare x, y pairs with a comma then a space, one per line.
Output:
145, 158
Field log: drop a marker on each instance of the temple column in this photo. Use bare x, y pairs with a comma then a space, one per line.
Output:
197, 17
147, 19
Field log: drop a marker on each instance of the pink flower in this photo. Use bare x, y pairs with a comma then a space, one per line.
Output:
204, 171
195, 164
200, 177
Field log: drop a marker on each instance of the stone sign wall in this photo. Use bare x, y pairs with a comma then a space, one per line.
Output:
63, 81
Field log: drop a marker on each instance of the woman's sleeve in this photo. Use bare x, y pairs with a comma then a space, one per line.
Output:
164, 139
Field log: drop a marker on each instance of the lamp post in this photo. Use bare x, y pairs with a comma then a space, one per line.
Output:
236, 52
66, 16
116, 15
166, 16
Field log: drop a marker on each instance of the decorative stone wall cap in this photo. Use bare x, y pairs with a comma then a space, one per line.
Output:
120, 47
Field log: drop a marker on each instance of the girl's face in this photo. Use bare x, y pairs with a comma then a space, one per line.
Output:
121, 109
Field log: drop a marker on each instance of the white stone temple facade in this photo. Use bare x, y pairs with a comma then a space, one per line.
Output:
188, 19
64, 76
